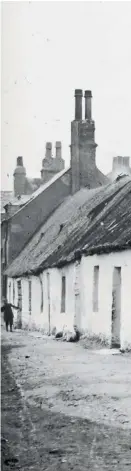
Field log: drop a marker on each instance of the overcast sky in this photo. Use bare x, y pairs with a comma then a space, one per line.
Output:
48, 50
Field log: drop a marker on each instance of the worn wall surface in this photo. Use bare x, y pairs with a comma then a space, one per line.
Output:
79, 296
25, 222
99, 323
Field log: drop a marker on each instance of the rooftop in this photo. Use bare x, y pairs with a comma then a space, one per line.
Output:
91, 221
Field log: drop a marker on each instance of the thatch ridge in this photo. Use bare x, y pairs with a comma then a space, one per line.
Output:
91, 221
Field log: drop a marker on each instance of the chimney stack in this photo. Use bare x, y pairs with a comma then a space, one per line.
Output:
126, 161
19, 161
88, 111
78, 105
19, 177
58, 147
48, 153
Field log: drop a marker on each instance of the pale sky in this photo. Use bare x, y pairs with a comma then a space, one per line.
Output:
48, 50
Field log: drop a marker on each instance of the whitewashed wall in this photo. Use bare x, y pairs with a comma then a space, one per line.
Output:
10, 296
99, 323
92, 323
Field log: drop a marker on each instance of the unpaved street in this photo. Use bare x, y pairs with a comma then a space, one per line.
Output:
64, 407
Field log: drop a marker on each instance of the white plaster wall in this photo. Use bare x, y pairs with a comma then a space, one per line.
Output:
25, 303
126, 302
94, 323
36, 317
55, 297
15, 301
67, 319
99, 323
58, 319
9, 280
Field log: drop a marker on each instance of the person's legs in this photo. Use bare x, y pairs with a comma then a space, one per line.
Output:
7, 326
10, 327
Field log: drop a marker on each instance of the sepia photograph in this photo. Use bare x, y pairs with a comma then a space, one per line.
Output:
65, 235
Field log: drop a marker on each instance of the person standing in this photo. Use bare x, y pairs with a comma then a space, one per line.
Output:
8, 314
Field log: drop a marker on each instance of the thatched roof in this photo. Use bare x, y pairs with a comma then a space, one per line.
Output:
91, 221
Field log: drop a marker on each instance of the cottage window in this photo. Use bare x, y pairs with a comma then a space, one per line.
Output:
63, 293
30, 296
19, 293
95, 288
13, 292
42, 296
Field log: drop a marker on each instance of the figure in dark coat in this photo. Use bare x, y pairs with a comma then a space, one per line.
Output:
8, 314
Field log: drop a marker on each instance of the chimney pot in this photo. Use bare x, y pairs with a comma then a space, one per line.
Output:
88, 111
78, 104
88, 94
48, 154
20, 161
58, 147
126, 161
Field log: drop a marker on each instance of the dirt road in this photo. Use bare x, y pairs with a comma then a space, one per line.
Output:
64, 407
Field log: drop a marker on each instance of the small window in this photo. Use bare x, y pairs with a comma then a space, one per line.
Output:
42, 295
30, 296
19, 293
13, 292
63, 293
95, 288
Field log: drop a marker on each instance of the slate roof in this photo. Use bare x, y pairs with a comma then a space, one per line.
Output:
5, 198
91, 221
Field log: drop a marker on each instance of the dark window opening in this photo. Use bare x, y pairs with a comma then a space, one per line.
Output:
13, 292
63, 294
19, 294
95, 288
42, 296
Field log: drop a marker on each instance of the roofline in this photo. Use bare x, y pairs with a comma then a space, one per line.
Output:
41, 189
98, 250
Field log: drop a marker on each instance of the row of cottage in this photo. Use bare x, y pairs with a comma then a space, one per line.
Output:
66, 253
75, 272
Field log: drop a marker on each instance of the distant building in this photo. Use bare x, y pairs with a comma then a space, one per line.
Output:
120, 166
50, 167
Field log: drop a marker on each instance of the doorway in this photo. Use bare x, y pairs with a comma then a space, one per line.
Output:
116, 308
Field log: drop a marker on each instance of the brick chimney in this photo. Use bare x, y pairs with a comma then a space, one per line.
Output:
88, 110
121, 163
48, 154
58, 147
19, 177
78, 104
83, 146
126, 162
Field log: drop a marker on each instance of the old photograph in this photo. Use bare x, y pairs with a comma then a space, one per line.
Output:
65, 235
